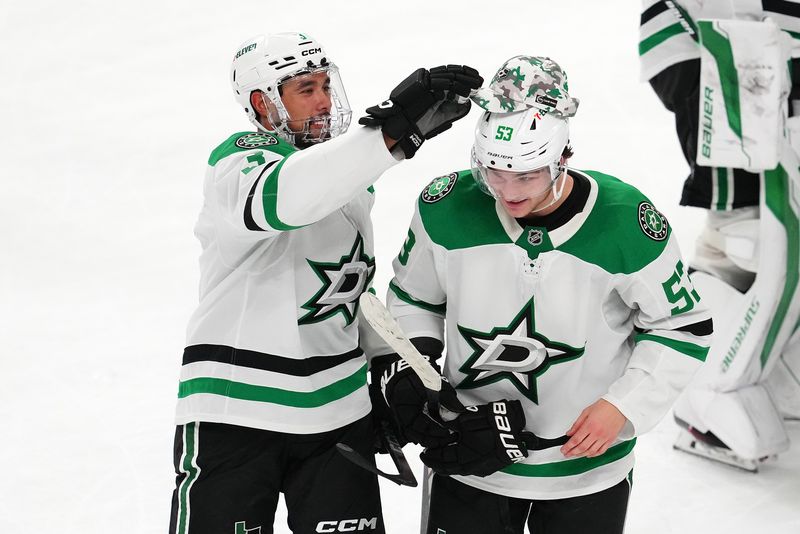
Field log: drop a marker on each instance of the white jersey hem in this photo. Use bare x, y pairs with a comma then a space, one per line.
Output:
539, 496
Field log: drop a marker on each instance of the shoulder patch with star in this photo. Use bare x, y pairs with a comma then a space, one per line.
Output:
439, 188
652, 222
255, 140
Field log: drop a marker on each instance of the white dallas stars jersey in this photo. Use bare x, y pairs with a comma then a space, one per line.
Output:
595, 303
287, 249
667, 32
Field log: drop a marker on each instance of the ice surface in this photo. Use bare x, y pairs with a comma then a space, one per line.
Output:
109, 111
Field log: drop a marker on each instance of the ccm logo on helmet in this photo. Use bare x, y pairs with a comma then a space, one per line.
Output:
347, 525
311, 51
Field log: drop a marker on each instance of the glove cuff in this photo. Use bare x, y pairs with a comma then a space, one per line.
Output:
409, 137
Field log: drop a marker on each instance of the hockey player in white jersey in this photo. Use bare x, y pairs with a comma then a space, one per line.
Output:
570, 321
720, 67
274, 371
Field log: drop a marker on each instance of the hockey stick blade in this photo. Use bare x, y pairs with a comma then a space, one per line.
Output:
404, 477
387, 328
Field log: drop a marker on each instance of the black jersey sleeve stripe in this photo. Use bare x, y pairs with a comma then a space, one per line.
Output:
703, 328
266, 362
249, 222
781, 7
652, 12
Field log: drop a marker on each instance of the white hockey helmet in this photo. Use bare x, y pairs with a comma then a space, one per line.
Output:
265, 62
527, 145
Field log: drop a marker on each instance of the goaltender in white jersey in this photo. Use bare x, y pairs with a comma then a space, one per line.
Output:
560, 289
729, 73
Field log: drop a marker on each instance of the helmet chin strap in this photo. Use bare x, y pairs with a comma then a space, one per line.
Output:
556, 187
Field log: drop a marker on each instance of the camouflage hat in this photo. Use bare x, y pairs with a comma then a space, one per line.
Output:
528, 82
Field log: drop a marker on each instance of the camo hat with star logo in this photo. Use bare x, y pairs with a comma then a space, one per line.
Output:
528, 82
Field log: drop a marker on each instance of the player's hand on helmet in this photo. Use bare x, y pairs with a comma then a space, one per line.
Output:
424, 105
489, 437
405, 397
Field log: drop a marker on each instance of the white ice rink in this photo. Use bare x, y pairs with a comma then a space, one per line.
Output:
108, 112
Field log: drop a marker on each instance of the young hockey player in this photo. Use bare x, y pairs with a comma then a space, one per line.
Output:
741, 168
570, 322
274, 371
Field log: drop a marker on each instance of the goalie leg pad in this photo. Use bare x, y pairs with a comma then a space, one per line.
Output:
752, 329
784, 380
746, 420
739, 321
728, 246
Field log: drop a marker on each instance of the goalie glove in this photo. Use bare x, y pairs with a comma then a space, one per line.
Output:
424, 105
489, 437
405, 398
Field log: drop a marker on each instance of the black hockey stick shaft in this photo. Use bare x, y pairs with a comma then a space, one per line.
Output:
405, 475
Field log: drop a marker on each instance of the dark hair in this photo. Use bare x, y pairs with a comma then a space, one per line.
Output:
568, 152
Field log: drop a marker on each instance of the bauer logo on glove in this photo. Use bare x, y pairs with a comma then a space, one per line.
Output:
504, 432
487, 438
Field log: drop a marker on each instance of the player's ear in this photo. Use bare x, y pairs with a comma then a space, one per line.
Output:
264, 108
259, 103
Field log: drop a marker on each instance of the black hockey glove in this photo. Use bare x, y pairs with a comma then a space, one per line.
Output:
424, 105
489, 437
395, 383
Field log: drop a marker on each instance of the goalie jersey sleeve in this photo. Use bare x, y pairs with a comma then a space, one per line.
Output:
668, 30
287, 243
600, 306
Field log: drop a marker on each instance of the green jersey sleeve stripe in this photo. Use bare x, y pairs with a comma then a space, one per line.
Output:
297, 399
571, 467
722, 186
249, 222
659, 37
270, 200
684, 347
405, 297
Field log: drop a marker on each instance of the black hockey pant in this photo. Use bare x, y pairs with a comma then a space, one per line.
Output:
456, 508
229, 477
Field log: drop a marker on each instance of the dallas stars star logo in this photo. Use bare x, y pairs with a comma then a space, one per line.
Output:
342, 284
516, 353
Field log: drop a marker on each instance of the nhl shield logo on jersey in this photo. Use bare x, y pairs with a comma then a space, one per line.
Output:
517, 353
439, 188
652, 222
255, 140
535, 237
